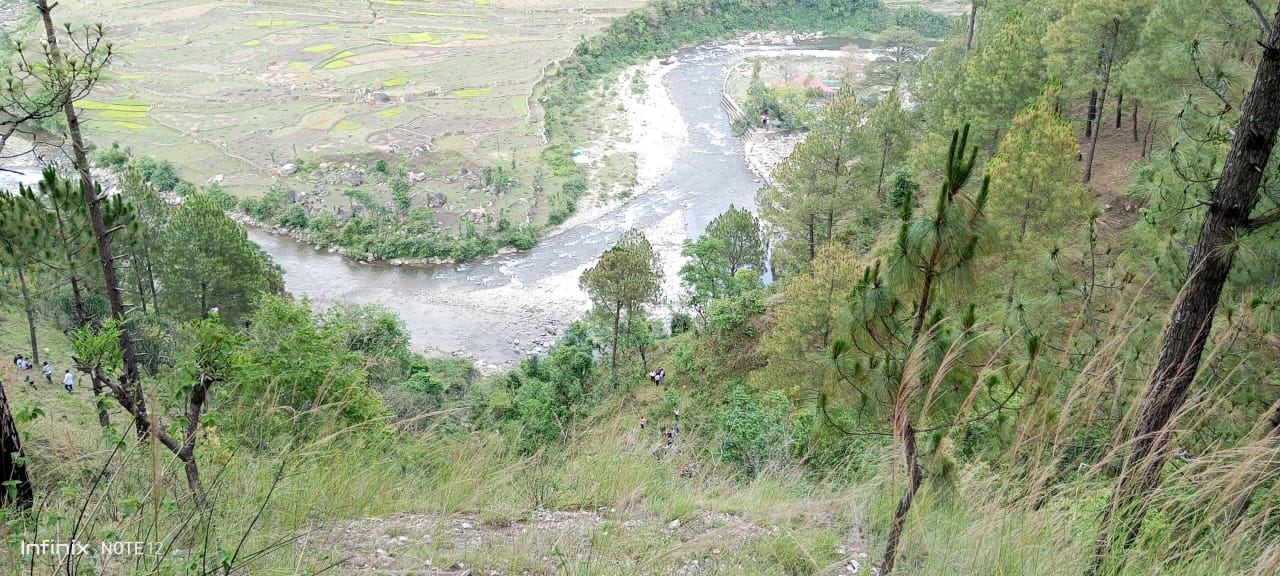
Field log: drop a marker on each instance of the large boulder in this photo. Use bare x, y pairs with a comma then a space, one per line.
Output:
437, 200
354, 179
287, 169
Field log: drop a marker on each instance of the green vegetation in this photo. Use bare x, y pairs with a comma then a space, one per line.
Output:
974, 357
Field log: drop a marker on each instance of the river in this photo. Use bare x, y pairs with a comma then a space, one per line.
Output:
490, 310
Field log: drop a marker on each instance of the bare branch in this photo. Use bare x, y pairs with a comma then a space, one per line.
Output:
1262, 19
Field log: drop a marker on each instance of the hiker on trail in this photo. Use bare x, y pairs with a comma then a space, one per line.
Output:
48, 372
661, 374
643, 421
677, 412
671, 436
67, 381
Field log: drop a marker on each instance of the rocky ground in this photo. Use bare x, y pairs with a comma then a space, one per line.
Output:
765, 150
547, 542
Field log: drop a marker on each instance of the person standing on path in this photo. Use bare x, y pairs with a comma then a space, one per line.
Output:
48, 372
67, 381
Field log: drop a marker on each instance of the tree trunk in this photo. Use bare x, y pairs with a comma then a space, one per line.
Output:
1191, 320
908, 433
1119, 108
812, 246
31, 313
884, 159
100, 403
77, 300
1133, 122
973, 22
1102, 99
195, 407
1093, 113
100, 233
12, 470
613, 353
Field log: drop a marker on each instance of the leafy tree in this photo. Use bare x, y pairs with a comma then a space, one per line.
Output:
303, 362
210, 263
400, 195
753, 428
627, 277
732, 243
293, 217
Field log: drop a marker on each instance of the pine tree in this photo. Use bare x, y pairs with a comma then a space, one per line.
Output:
15, 480
65, 214
1036, 190
1088, 48
902, 362
889, 130
903, 49
1229, 216
208, 262
815, 192
24, 243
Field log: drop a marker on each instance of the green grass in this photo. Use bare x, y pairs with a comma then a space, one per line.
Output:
336, 64
397, 81
253, 42
412, 38
472, 92
128, 105
274, 23
391, 112
121, 114
347, 126
319, 48
448, 14
129, 125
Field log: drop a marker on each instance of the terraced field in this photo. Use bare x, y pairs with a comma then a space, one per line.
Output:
238, 87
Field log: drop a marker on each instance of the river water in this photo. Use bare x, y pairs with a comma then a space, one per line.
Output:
708, 175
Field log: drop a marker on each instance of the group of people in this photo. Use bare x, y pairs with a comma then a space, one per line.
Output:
24, 363
668, 433
656, 376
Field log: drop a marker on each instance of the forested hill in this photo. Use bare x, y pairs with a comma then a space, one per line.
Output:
1023, 321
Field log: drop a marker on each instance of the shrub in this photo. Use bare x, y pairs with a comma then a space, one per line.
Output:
295, 217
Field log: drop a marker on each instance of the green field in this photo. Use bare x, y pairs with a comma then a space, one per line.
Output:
224, 88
